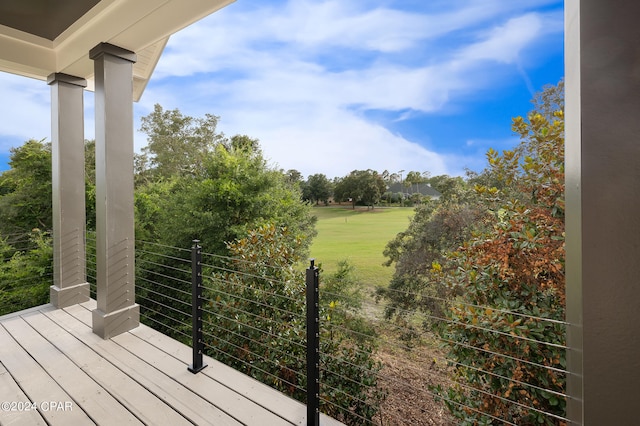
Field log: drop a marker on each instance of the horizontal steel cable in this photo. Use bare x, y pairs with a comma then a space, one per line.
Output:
163, 245
165, 256
504, 311
218, 303
452, 342
148, 308
166, 276
248, 275
187, 293
251, 327
142, 314
244, 261
284, 311
326, 401
173, 268
218, 279
166, 297
264, 344
252, 366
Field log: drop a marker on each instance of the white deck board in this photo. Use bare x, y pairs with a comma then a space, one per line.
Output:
101, 406
10, 391
197, 410
37, 385
138, 377
125, 395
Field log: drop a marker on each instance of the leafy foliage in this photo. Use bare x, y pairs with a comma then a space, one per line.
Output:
235, 191
25, 274
486, 264
25, 189
435, 229
176, 143
360, 186
506, 334
230, 190
317, 188
255, 321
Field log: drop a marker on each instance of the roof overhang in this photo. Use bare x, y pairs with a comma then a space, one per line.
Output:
40, 37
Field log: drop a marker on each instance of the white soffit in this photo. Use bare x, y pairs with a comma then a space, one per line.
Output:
142, 26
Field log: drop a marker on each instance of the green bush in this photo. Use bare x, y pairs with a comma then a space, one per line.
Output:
255, 322
505, 332
26, 275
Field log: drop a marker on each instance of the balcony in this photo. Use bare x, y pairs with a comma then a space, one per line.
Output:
603, 207
245, 325
51, 358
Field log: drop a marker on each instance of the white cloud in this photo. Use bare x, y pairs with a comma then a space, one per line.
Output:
505, 42
25, 109
302, 75
268, 72
331, 141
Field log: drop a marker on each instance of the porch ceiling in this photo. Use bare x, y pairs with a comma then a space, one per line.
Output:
40, 37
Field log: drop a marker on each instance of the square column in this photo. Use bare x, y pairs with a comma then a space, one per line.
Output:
117, 311
67, 140
603, 211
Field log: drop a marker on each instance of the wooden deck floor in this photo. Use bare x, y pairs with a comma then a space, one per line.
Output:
54, 370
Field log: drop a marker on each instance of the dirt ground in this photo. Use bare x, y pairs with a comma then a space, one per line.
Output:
408, 401
407, 375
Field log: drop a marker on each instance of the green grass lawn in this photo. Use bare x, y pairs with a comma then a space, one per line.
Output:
360, 237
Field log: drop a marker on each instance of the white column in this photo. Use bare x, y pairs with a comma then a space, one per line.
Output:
117, 311
67, 136
603, 210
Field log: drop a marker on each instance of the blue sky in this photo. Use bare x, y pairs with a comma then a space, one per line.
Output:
330, 86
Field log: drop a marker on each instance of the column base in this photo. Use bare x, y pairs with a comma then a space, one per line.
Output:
68, 296
117, 322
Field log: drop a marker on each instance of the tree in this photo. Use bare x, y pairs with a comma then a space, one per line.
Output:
177, 143
294, 177
413, 178
317, 188
234, 190
228, 190
435, 229
453, 188
204, 185
549, 100
510, 286
25, 273
364, 186
25, 189
90, 183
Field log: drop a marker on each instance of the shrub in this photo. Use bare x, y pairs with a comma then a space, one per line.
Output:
255, 322
505, 333
26, 274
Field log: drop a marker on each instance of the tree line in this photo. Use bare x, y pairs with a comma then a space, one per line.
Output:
367, 187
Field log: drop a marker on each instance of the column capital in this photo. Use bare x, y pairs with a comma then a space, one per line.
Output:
112, 50
58, 77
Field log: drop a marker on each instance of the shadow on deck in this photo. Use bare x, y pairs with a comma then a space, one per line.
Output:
54, 370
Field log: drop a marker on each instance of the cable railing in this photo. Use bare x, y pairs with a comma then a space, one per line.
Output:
254, 321
254, 318
508, 395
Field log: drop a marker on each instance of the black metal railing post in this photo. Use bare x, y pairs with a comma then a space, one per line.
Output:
313, 346
196, 308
